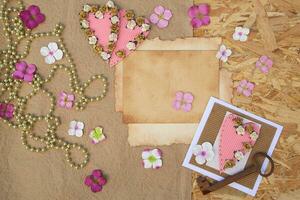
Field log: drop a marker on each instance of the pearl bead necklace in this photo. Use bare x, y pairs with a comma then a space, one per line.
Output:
14, 32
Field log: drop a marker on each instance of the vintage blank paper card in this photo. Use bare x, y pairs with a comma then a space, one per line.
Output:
146, 83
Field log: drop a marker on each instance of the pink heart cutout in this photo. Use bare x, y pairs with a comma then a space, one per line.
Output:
230, 141
126, 35
101, 28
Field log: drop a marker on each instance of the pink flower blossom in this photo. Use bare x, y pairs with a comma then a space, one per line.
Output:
6, 110
65, 100
183, 100
24, 71
199, 15
32, 17
95, 181
245, 87
152, 158
264, 64
161, 16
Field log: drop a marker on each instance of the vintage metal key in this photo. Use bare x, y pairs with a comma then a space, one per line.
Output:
207, 187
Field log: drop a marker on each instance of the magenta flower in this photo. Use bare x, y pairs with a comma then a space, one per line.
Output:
245, 87
183, 100
65, 100
6, 110
161, 16
199, 15
264, 64
32, 17
24, 71
96, 180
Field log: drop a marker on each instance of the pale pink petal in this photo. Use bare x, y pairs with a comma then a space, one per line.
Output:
176, 105
203, 9
162, 23
188, 97
239, 89
62, 95
250, 85
154, 18
179, 96
53, 46
147, 164
243, 38
146, 154
187, 107
258, 64
263, 59
80, 125
61, 103
264, 69
69, 105
70, 97
159, 10
44, 51
157, 164
228, 52
156, 153
243, 83
167, 15
247, 93
269, 63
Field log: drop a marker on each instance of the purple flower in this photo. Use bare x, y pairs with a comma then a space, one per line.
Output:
96, 180
199, 15
24, 71
6, 111
183, 100
245, 87
161, 16
264, 64
32, 17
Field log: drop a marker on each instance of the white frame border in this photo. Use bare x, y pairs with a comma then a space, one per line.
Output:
206, 114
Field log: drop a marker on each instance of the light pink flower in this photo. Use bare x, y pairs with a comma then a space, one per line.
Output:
161, 16
65, 100
264, 64
183, 100
199, 15
245, 87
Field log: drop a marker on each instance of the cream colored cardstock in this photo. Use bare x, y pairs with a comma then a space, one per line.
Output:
154, 72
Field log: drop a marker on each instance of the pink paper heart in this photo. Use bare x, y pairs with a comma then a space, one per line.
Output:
230, 141
101, 25
127, 35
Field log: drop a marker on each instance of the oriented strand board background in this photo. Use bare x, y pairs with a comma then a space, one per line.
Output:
46, 176
277, 95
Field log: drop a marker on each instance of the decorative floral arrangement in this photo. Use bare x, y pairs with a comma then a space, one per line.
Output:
16, 72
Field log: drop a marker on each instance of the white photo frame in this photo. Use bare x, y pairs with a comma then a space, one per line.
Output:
206, 114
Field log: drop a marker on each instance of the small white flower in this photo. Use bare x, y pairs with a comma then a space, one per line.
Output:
110, 4
113, 37
145, 27
86, 8
131, 24
93, 40
241, 34
85, 24
114, 19
99, 15
51, 53
223, 53
203, 153
152, 158
238, 155
76, 128
254, 136
131, 46
240, 130
105, 56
